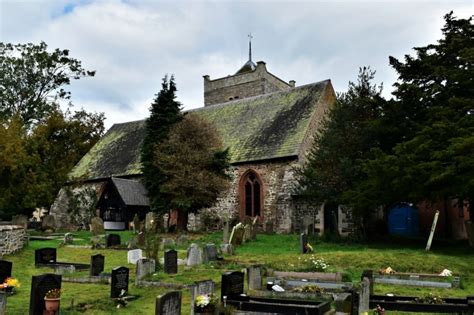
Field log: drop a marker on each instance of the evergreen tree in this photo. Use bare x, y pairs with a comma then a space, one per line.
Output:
164, 112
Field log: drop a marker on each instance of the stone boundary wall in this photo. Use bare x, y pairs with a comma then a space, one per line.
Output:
12, 239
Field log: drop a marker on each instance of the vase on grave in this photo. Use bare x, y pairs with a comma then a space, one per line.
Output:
52, 304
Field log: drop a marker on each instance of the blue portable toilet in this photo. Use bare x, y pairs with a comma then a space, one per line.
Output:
404, 219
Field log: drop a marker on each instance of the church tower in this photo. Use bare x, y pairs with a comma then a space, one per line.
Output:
250, 80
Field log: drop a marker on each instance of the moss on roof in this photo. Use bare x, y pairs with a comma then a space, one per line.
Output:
258, 128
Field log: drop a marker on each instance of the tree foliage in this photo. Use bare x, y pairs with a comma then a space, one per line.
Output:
194, 163
164, 112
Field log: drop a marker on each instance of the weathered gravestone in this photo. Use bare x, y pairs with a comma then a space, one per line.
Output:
5, 270
205, 287
136, 223
64, 269
227, 249
237, 235
225, 236
20, 220
194, 256
232, 284
119, 281
68, 238
364, 296
144, 268
343, 303
171, 261
303, 243
150, 221
209, 253
247, 232
168, 303
254, 277
3, 302
97, 226
254, 229
44, 256
112, 240
141, 239
97, 264
48, 223
39, 286
134, 255
369, 274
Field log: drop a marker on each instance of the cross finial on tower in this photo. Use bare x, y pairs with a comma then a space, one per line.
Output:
250, 46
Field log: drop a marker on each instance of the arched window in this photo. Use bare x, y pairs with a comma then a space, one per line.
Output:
251, 195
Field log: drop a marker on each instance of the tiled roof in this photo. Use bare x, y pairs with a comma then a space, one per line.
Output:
258, 128
133, 192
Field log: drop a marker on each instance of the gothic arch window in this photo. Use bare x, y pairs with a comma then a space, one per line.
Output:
251, 195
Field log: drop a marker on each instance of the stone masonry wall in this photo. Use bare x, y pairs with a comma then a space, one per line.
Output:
12, 239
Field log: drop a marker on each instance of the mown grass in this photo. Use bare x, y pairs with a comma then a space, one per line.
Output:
278, 252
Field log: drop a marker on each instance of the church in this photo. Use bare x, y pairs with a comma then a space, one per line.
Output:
268, 125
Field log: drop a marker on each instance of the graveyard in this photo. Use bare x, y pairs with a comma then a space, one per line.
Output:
93, 285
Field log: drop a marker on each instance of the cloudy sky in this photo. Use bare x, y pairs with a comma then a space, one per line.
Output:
133, 44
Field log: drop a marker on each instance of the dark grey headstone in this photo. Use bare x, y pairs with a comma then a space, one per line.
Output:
97, 264
3, 302
303, 243
119, 281
209, 253
112, 240
39, 286
5, 270
232, 284
171, 261
168, 303
45, 256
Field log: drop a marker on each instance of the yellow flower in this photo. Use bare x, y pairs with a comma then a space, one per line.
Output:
12, 282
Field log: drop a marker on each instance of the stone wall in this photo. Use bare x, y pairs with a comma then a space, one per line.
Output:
242, 85
12, 239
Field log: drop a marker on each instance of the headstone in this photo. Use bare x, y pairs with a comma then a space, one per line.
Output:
97, 264
226, 228
182, 240
343, 303
236, 237
227, 249
141, 239
119, 281
209, 253
171, 261
112, 240
134, 255
168, 303
205, 287
3, 302
303, 243
150, 221
132, 243
136, 223
364, 296
247, 232
194, 256
5, 270
145, 267
253, 229
45, 255
168, 243
68, 238
97, 226
64, 269
232, 284
370, 275
48, 223
254, 277
39, 286
20, 220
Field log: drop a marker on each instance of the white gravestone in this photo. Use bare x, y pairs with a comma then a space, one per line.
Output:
134, 256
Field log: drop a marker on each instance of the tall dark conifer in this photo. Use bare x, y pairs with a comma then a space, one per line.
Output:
164, 112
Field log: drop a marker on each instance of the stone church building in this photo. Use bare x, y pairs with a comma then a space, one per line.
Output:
267, 124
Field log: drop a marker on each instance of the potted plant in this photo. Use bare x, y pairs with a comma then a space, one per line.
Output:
52, 299
9, 285
205, 304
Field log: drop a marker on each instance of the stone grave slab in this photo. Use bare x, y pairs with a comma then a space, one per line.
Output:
97, 264
112, 240
237, 234
134, 255
119, 281
39, 286
209, 253
194, 255
45, 256
254, 277
171, 262
145, 267
168, 303
232, 284
5, 270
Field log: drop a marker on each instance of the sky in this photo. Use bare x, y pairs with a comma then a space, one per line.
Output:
132, 45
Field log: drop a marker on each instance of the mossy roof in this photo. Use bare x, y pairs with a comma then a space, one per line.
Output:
264, 127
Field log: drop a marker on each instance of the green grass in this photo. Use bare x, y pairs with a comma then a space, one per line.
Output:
279, 252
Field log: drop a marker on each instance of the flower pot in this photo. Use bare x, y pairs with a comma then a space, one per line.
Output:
52, 304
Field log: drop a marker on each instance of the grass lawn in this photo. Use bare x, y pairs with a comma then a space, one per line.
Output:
278, 252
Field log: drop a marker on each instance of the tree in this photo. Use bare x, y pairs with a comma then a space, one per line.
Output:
194, 163
33, 80
346, 137
164, 112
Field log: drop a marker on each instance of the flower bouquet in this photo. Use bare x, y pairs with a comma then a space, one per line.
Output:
205, 304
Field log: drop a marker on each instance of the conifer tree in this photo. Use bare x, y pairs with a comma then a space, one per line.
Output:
164, 112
